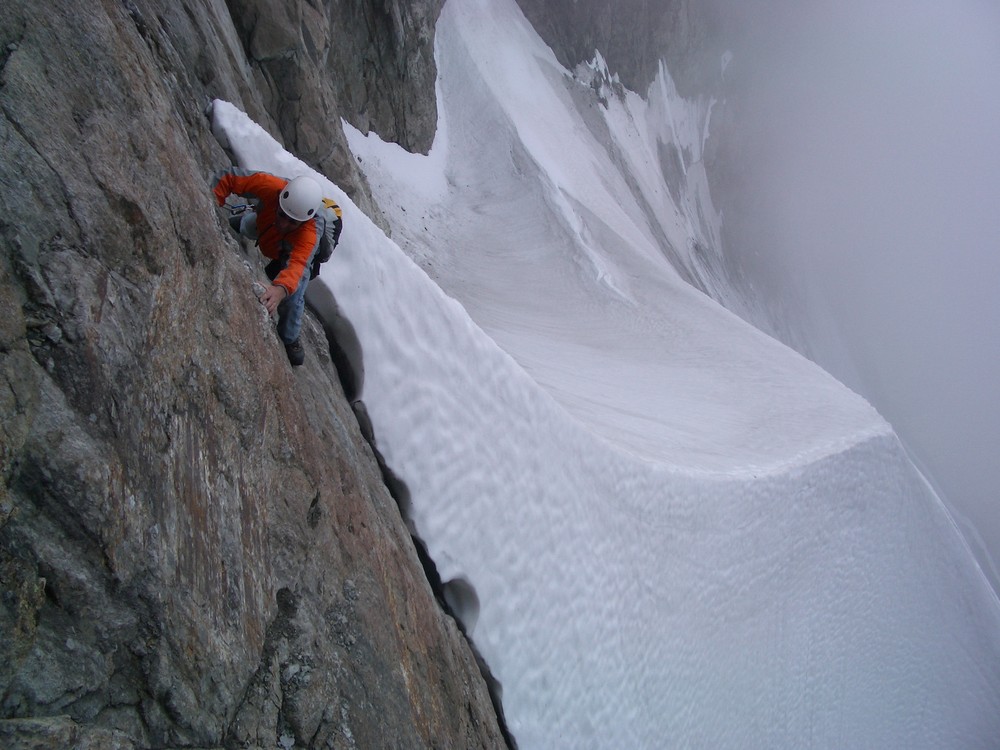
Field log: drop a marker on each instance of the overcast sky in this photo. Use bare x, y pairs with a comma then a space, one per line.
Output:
874, 138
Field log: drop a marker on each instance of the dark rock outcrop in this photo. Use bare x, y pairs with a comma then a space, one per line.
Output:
371, 63
196, 545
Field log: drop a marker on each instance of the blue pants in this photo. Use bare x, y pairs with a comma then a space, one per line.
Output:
290, 309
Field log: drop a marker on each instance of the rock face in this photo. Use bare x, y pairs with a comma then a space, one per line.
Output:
196, 545
371, 63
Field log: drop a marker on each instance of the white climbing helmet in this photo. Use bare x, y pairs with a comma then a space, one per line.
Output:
300, 198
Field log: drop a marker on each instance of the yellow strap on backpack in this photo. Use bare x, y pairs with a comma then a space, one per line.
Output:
330, 203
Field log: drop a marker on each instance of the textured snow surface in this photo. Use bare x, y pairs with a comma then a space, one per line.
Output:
535, 209
680, 533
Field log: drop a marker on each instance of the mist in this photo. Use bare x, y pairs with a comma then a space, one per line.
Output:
867, 216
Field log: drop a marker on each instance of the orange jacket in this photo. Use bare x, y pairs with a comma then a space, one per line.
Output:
296, 247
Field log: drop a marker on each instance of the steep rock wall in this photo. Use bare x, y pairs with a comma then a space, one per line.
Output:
196, 545
371, 63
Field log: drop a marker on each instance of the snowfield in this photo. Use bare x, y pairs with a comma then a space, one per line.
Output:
679, 532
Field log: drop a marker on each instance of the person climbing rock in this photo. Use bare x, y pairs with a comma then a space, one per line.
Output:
285, 228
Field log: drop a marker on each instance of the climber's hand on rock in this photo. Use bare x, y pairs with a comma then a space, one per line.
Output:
272, 297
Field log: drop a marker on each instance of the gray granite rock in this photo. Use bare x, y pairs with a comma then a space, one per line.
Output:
197, 548
371, 63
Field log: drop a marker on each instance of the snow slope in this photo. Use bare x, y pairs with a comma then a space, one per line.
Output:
680, 533
553, 241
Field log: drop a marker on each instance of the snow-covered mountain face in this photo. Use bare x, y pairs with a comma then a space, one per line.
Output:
668, 528
635, 36
571, 217
854, 157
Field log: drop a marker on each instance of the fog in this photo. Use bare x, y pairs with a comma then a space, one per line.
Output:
867, 215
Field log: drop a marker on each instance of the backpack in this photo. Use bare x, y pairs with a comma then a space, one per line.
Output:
332, 219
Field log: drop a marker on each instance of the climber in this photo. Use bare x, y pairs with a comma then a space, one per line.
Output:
285, 228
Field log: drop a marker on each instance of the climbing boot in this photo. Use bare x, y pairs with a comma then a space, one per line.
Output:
296, 354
